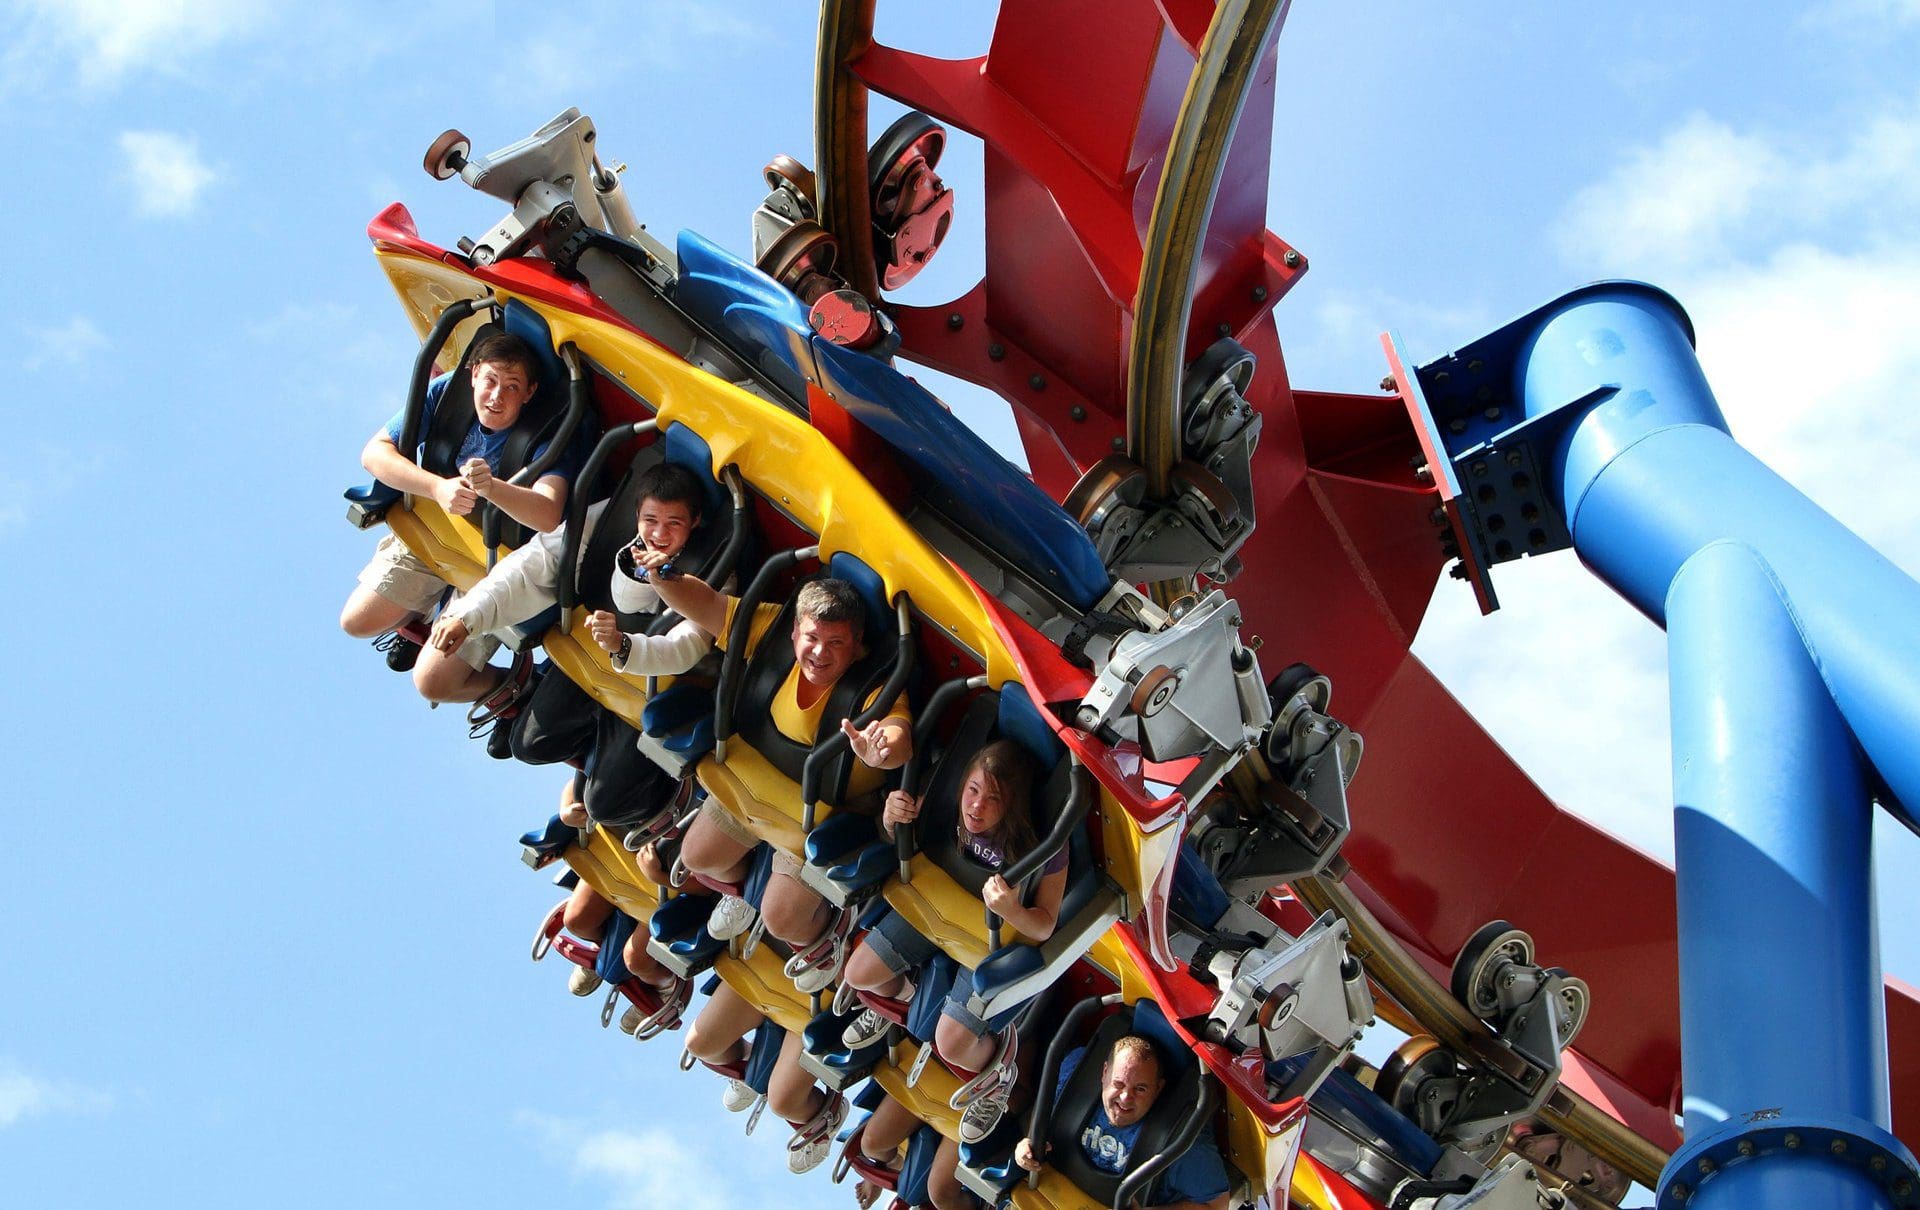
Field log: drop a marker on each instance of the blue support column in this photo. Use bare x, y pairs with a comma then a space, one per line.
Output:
1781, 1015
1794, 653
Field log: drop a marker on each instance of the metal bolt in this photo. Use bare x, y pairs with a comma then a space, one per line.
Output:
1514, 458
1437, 517
1746, 1147
1902, 1187
1386, 383
1290, 259
1792, 1141
1458, 571
1484, 393
1681, 1193
955, 321
1037, 381
1259, 294
1878, 1163
1492, 413
996, 351
1529, 512
1223, 329
1440, 378
1456, 425
1706, 1166
1503, 549
1423, 473
1475, 366
1118, 443
1495, 523
1479, 468
1838, 1146
1536, 537
1077, 412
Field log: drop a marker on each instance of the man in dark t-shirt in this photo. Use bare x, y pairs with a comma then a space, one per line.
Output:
1130, 1082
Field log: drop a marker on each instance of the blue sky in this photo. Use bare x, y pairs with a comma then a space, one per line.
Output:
267, 923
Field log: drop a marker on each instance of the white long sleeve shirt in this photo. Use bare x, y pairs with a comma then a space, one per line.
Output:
526, 583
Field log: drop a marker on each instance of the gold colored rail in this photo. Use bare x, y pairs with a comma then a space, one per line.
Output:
840, 139
1202, 134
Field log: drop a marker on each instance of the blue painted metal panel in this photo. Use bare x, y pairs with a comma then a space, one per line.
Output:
966, 479
758, 318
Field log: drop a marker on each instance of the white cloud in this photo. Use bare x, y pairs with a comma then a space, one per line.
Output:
23, 1096
165, 172
34, 477
1674, 200
108, 39
69, 344
674, 1162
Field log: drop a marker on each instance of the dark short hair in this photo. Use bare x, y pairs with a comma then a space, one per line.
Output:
671, 483
506, 348
831, 600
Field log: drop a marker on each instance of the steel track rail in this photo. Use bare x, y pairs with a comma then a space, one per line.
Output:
840, 139
1202, 135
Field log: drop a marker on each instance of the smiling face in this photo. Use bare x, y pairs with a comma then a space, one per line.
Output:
664, 525
1128, 1084
983, 803
500, 390
823, 650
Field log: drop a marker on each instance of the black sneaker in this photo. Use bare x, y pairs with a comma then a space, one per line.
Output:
500, 739
402, 653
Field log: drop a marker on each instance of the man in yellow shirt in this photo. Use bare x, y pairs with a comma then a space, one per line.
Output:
829, 620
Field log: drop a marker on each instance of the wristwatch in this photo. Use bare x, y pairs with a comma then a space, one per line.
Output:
626, 648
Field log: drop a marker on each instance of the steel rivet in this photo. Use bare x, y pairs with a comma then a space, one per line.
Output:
1259, 294
1077, 412
1792, 1141
1903, 1186
1118, 443
1474, 366
1838, 1146
996, 352
1746, 1147
1681, 1193
1492, 413
1878, 1163
955, 321
1706, 1166
1514, 458
1456, 426
1037, 382
1290, 259
1479, 468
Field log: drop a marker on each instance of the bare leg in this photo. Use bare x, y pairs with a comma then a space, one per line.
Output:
367, 614
442, 676
717, 1033
866, 971
942, 1185
960, 1048
889, 1127
794, 912
791, 1092
645, 966
587, 913
707, 850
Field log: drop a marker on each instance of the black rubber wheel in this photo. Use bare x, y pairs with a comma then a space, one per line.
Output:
1473, 968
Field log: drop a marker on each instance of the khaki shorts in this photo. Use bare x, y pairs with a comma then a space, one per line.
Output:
403, 578
723, 822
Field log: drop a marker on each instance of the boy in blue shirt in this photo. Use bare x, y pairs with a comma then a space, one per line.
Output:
398, 584
1130, 1081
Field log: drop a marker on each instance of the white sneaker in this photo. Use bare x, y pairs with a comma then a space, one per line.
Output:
864, 1030
738, 1096
815, 968
812, 1142
979, 1119
584, 981
731, 917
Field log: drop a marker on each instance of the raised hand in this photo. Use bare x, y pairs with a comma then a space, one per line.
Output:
447, 635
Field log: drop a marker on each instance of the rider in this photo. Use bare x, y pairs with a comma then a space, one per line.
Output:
1130, 1082
828, 622
995, 827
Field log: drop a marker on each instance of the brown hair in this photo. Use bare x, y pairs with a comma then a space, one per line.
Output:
504, 348
1010, 769
831, 600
